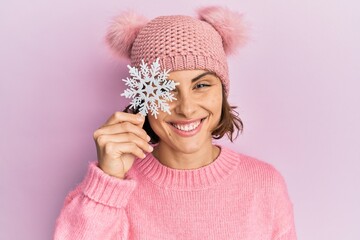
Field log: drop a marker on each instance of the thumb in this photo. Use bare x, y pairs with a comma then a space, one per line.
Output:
141, 123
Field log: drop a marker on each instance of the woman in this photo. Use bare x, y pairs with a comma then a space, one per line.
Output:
162, 177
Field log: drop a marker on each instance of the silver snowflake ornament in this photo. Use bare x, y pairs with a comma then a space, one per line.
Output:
149, 88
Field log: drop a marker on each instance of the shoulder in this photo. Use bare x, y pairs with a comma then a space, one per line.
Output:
256, 171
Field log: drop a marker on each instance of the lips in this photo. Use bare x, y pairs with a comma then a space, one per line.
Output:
187, 128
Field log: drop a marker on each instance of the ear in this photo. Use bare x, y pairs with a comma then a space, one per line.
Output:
228, 24
123, 32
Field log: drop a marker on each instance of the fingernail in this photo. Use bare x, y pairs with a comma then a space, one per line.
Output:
148, 138
150, 148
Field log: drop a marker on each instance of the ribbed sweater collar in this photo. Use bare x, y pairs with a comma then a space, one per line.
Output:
200, 178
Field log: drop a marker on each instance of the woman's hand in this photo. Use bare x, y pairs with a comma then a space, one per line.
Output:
119, 141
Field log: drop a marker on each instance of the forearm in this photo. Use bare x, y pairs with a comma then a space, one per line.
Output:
96, 208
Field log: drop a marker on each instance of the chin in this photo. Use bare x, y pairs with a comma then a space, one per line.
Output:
189, 146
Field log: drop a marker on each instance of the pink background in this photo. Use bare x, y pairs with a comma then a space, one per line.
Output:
296, 84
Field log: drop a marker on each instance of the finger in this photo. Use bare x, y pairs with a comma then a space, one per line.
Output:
121, 148
141, 124
119, 117
125, 127
125, 138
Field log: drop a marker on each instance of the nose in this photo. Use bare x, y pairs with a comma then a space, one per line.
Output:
185, 106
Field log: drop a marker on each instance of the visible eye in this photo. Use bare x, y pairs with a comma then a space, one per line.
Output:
172, 91
201, 85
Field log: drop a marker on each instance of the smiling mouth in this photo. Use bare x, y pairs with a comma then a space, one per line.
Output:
187, 127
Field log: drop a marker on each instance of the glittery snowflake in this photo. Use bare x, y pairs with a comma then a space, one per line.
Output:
149, 88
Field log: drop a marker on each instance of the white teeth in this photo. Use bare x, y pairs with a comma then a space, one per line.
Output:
187, 127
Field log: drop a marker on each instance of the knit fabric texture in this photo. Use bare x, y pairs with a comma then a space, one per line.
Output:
234, 197
181, 43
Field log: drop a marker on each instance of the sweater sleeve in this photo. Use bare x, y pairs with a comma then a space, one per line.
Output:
284, 226
96, 208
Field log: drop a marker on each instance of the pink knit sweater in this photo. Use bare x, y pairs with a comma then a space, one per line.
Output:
235, 197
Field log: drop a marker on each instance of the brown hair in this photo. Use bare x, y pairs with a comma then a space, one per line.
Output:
229, 124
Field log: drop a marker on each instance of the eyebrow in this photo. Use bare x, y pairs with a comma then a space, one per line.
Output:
202, 75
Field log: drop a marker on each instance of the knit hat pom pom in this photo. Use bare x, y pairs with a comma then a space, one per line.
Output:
123, 31
228, 24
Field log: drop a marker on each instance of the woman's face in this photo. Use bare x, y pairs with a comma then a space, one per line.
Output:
195, 113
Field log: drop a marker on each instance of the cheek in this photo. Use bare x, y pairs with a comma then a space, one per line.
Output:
215, 104
153, 123
157, 124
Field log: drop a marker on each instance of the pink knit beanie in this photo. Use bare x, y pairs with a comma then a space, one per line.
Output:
180, 42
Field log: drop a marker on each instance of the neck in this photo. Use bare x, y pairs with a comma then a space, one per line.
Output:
176, 159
